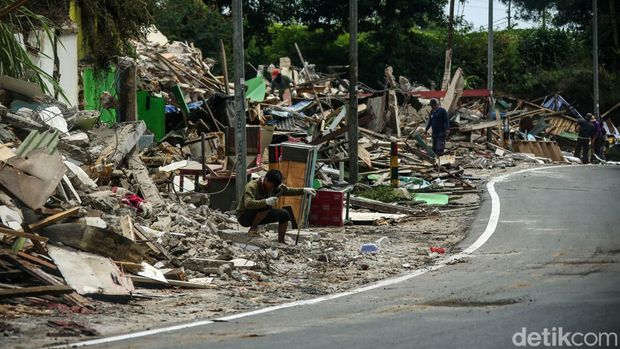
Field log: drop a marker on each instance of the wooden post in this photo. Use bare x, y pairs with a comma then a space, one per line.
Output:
224, 67
203, 161
128, 107
394, 164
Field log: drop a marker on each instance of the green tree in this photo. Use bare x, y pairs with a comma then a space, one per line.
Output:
108, 26
194, 21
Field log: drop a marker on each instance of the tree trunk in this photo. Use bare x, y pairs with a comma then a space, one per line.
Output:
56, 72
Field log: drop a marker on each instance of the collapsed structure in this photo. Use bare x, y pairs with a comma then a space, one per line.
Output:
90, 210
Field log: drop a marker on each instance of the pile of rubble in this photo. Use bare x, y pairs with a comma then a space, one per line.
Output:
162, 65
95, 212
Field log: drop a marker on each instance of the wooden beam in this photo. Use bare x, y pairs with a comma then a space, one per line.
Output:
152, 244
477, 126
10, 273
38, 246
145, 184
53, 219
380, 206
39, 274
22, 234
35, 291
37, 260
148, 281
328, 137
224, 67
127, 228
603, 117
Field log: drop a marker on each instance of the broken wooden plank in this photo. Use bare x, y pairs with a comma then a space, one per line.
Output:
53, 219
152, 244
53, 290
376, 105
380, 206
39, 274
22, 234
11, 274
96, 240
477, 126
149, 190
454, 92
74, 193
544, 149
376, 135
392, 107
342, 112
328, 137
37, 260
364, 155
127, 228
38, 246
148, 281
370, 217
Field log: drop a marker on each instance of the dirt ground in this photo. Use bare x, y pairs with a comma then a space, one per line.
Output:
333, 263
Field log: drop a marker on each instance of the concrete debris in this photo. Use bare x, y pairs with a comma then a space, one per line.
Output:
34, 177
148, 202
88, 273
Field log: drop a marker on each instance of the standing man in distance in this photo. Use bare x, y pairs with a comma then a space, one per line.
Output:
586, 131
440, 123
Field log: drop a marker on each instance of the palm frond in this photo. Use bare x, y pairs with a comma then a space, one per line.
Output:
14, 58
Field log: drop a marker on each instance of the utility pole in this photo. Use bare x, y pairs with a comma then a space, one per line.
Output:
240, 141
352, 117
595, 56
490, 50
509, 14
451, 25
490, 67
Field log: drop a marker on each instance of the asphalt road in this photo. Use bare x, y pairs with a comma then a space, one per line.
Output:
552, 262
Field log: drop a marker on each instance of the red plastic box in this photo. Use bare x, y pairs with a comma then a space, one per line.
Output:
326, 209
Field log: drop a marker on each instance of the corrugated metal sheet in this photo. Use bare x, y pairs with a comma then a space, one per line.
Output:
36, 140
291, 124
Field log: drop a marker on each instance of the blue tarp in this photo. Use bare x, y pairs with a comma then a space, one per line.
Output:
299, 106
286, 112
551, 102
171, 109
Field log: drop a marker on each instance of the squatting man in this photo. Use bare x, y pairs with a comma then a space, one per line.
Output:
260, 196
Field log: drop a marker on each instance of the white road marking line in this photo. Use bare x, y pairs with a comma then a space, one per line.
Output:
482, 239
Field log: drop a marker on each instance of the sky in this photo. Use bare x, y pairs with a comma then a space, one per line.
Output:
477, 12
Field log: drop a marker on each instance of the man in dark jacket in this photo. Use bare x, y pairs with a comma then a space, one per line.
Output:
598, 140
260, 197
586, 131
440, 123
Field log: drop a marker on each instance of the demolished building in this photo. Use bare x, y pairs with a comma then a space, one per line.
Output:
140, 191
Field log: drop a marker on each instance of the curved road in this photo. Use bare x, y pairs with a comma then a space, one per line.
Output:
552, 262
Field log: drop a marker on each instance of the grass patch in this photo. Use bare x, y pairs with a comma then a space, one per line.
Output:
381, 193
